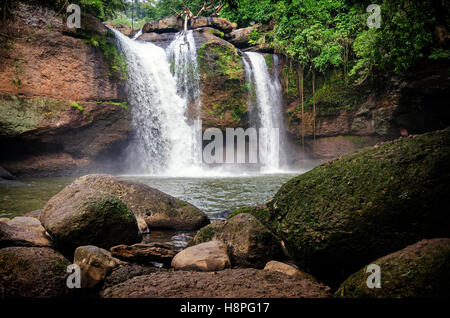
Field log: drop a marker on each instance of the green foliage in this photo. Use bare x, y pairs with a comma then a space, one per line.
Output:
76, 105
248, 11
227, 62
115, 61
101, 9
124, 105
217, 33
18, 70
439, 54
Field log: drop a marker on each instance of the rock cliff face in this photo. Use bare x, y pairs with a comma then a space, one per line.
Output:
406, 104
61, 110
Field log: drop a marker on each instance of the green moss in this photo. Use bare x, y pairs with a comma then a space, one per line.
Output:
76, 105
182, 203
21, 114
259, 212
115, 61
269, 62
205, 234
356, 140
363, 205
217, 33
222, 70
219, 58
124, 105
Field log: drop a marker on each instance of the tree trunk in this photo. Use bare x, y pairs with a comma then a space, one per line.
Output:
5, 7
300, 93
314, 103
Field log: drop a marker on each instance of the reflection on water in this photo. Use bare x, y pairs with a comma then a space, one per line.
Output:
210, 194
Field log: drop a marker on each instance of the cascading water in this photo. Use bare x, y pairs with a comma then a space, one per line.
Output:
182, 55
267, 95
164, 143
138, 34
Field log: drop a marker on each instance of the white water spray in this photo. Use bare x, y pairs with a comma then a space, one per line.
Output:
138, 34
164, 141
268, 103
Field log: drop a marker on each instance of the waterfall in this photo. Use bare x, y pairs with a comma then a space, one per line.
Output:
267, 99
138, 34
182, 55
164, 142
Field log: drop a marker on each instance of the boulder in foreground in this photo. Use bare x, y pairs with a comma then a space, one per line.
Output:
341, 215
206, 257
37, 272
79, 216
234, 283
249, 243
419, 270
151, 207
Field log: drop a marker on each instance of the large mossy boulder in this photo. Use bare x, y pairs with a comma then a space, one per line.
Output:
150, 206
37, 272
341, 215
249, 243
79, 216
419, 270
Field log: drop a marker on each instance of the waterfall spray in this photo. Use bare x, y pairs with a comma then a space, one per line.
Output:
164, 141
267, 90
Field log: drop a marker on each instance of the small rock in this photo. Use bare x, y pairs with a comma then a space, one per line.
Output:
15, 236
205, 257
34, 214
95, 264
128, 271
222, 215
27, 223
249, 243
5, 174
287, 269
145, 253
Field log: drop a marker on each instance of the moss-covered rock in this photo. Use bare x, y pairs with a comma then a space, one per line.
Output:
419, 270
37, 272
152, 208
364, 205
79, 216
224, 97
249, 243
259, 211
